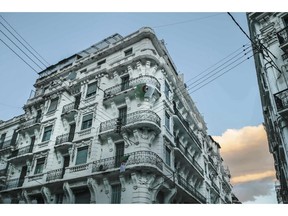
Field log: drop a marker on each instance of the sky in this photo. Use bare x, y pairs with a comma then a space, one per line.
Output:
196, 41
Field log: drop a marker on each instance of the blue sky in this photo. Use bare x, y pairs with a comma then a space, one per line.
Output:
195, 41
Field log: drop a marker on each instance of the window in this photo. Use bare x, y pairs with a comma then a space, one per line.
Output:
116, 194
91, 90
47, 133
87, 121
101, 62
128, 52
119, 153
82, 196
2, 140
124, 83
53, 105
168, 156
167, 121
81, 155
39, 165
167, 90
123, 115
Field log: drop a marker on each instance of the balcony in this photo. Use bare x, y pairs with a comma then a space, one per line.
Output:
69, 111
138, 158
55, 175
5, 147
11, 183
63, 142
281, 100
215, 187
188, 157
21, 154
30, 124
283, 39
185, 184
116, 92
181, 123
138, 119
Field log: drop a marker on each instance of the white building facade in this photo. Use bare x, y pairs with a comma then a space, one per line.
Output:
269, 33
112, 124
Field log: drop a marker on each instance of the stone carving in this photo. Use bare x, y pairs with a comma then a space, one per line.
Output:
122, 181
92, 186
106, 185
26, 197
46, 194
68, 193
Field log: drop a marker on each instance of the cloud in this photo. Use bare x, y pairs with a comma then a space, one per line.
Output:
246, 153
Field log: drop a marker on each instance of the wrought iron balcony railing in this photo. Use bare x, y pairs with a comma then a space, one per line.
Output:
186, 125
215, 187
69, 107
192, 160
135, 117
185, 184
55, 174
281, 100
283, 35
139, 157
131, 83
5, 144
64, 138
21, 151
11, 183
30, 122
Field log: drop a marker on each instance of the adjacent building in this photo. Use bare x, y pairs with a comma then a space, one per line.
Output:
269, 33
113, 123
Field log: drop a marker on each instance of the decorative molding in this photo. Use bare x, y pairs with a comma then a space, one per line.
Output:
46, 195
92, 186
134, 180
26, 197
110, 144
68, 193
136, 136
122, 182
106, 185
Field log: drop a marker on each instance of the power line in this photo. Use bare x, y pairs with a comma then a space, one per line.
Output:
20, 49
256, 46
22, 43
24, 40
221, 74
186, 21
19, 56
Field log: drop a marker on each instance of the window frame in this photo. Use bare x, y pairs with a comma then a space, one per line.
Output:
167, 121
45, 133
91, 93
87, 121
39, 167
53, 105
128, 52
116, 193
81, 160
167, 156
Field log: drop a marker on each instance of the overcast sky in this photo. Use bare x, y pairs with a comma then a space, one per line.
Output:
196, 41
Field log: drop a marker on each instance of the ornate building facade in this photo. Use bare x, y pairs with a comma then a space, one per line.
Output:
113, 123
269, 33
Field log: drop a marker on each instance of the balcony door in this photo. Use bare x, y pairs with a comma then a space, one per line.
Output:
124, 83
32, 144
71, 132
77, 101
22, 176
119, 153
123, 115
65, 164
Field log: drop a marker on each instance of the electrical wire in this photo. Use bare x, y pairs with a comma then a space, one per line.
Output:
186, 21
18, 56
21, 49
23, 44
24, 40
